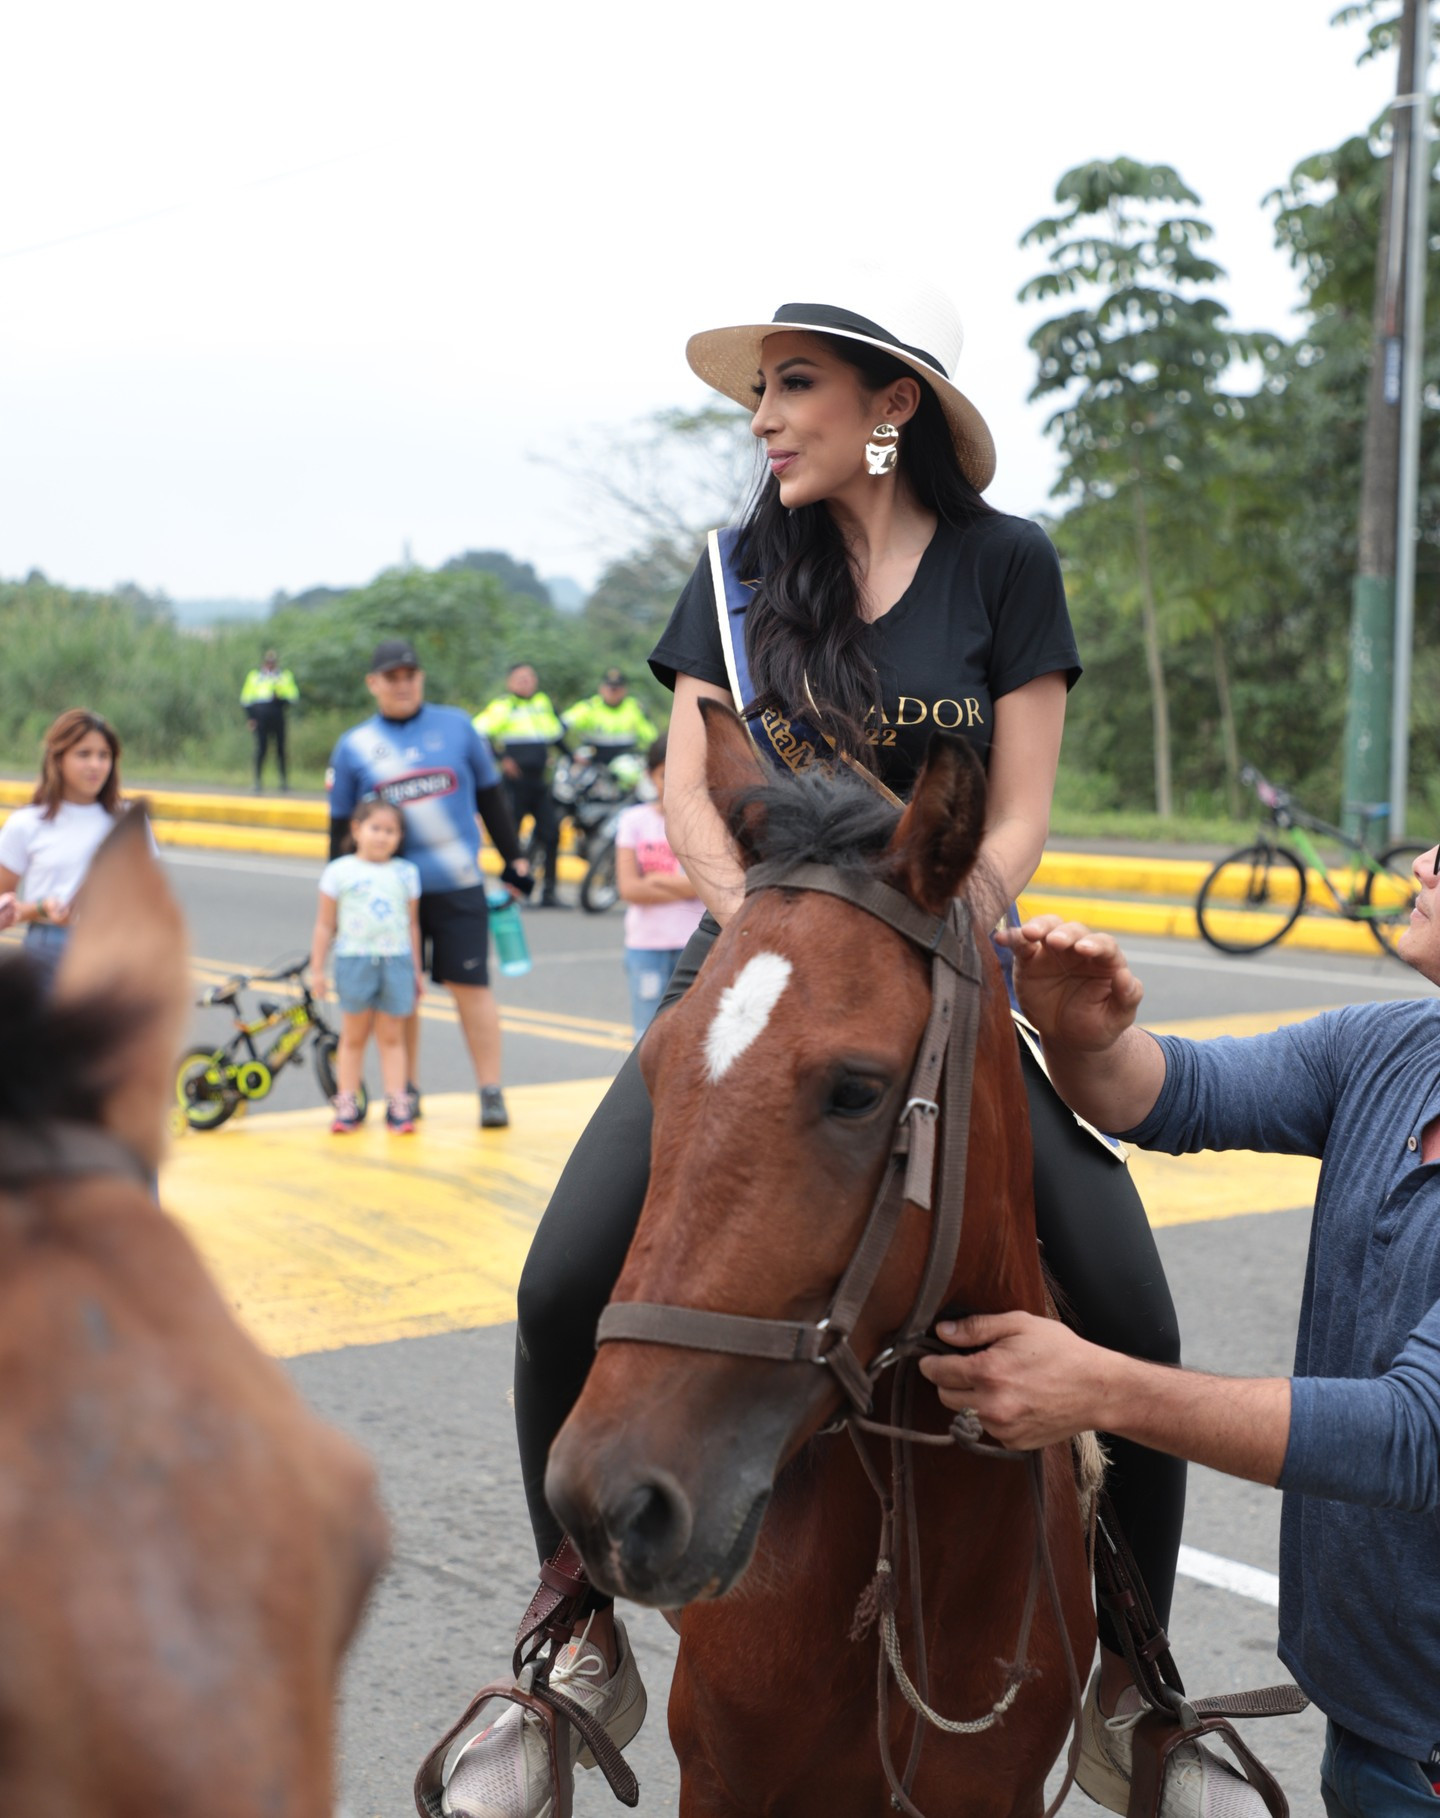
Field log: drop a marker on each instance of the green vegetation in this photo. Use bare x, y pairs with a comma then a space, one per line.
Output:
174, 697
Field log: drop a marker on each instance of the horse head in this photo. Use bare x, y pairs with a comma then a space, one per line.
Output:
184, 1549
778, 1081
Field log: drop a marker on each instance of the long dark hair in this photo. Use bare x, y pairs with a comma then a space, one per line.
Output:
804, 632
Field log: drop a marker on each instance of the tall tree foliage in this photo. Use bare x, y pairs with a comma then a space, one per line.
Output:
1135, 365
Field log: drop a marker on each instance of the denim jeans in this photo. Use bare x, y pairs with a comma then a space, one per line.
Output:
1359, 1779
45, 947
649, 970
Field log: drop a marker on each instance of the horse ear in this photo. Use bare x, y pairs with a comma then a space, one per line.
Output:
129, 948
733, 772
933, 848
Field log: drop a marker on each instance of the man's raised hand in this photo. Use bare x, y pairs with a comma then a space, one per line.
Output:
1072, 983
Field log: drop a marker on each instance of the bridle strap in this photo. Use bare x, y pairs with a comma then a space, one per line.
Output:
60, 1149
934, 934
909, 1175
943, 1075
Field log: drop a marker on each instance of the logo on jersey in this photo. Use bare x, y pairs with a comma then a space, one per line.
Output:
418, 786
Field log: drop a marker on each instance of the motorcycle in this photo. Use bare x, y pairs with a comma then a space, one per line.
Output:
590, 792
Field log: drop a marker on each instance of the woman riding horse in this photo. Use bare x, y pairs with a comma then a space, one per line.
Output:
870, 596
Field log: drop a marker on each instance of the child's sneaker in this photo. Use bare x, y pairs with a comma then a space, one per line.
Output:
347, 1114
493, 1115
412, 1092
397, 1115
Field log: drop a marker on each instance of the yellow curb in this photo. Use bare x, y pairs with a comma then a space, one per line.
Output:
257, 841
185, 805
261, 812
1109, 875
1313, 932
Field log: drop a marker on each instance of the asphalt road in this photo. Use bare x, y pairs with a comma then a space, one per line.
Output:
434, 1411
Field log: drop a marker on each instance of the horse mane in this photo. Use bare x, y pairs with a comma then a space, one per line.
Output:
813, 816
58, 1060
820, 816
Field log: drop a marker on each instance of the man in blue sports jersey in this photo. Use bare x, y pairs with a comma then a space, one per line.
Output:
437, 770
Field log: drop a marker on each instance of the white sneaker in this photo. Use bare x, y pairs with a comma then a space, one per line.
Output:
1198, 1784
502, 1770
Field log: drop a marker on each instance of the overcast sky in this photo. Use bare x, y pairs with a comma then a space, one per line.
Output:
285, 287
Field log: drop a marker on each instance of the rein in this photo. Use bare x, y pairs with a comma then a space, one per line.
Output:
61, 1149
941, 1084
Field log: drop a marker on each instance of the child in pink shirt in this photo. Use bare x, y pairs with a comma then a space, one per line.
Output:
662, 910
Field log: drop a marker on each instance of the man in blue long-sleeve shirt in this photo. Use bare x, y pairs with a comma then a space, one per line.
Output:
1353, 1438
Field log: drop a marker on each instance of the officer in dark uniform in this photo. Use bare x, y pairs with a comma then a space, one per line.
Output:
522, 726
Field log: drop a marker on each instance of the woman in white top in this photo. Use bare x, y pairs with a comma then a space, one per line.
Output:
46, 849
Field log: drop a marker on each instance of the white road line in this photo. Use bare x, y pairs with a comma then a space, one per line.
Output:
1390, 980
304, 869
1230, 1575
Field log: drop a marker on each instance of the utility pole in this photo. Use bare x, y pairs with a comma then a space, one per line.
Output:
1366, 776
1417, 235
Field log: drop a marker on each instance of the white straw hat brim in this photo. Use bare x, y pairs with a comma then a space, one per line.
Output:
729, 359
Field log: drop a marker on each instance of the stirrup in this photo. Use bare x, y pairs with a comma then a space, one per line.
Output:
544, 1629
1171, 1718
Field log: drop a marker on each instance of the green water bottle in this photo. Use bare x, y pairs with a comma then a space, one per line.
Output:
512, 950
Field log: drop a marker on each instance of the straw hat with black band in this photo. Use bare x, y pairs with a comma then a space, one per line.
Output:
914, 323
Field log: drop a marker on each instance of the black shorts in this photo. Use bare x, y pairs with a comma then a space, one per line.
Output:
455, 936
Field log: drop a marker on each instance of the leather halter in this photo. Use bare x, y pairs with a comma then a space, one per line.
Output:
944, 1063
61, 1149
943, 1074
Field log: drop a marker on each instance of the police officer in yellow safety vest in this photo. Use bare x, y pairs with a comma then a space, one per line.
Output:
266, 697
522, 725
613, 721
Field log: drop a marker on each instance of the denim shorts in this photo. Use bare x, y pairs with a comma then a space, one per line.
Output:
45, 944
383, 982
1359, 1779
649, 970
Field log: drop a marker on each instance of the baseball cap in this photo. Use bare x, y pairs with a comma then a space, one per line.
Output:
612, 678
393, 653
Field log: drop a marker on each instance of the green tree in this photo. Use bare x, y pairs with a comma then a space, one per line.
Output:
518, 579
1136, 367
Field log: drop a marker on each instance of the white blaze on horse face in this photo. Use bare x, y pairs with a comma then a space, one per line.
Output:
744, 1011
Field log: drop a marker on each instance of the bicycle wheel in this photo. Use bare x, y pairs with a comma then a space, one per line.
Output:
325, 1046
1390, 893
1251, 899
600, 891
203, 1089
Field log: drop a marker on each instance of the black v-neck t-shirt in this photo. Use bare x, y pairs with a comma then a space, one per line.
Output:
984, 614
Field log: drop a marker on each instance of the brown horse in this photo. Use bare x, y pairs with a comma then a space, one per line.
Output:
184, 1548
702, 1481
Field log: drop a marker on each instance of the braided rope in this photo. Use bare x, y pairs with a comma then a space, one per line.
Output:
951, 1726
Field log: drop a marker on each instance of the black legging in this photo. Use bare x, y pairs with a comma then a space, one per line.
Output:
529, 793
269, 718
1097, 1242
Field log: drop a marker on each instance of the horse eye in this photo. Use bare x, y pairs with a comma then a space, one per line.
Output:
853, 1097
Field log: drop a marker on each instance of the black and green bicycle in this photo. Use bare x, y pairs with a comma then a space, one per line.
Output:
212, 1085
1254, 897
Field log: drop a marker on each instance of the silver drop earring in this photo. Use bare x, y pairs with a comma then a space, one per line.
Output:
881, 460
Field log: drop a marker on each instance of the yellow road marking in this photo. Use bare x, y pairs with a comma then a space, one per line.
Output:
322, 1242
436, 1006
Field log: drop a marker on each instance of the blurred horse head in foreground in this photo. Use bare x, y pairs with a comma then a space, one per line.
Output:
185, 1550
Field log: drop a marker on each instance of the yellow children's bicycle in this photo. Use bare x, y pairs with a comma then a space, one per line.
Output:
211, 1085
